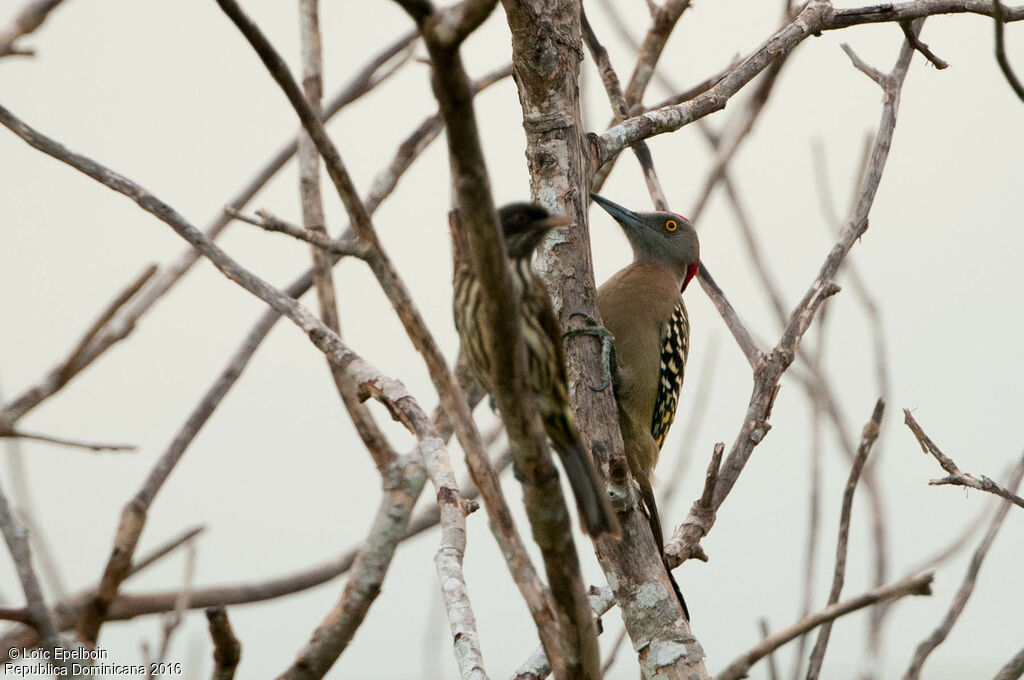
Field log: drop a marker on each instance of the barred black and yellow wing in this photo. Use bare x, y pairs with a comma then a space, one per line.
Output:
675, 345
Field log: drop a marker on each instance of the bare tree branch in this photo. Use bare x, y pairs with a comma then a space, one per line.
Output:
448, 562
313, 220
738, 129
401, 484
23, 501
817, 16
773, 670
755, 357
38, 616
922, 47
227, 651
75, 361
813, 506
164, 549
621, 109
685, 543
1013, 669
867, 440
96, 447
963, 594
172, 619
31, 17
343, 247
665, 18
956, 477
537, 666
915, 585
999, 17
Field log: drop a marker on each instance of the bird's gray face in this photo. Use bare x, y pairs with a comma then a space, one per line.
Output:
524, 225
663, 238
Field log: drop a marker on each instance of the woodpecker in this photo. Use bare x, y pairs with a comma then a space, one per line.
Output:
642, 308
524, 225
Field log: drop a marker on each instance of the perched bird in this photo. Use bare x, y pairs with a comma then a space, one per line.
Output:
642, 307
523, 226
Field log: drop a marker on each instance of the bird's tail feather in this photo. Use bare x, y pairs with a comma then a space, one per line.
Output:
596, 513
647, 494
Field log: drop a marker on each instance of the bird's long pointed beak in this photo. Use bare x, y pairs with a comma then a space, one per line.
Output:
625, 217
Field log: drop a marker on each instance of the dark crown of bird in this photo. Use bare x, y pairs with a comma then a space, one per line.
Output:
524, 226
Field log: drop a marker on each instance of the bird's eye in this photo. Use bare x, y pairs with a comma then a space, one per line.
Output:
671, 225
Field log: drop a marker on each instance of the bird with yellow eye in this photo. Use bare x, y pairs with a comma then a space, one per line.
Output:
643, 312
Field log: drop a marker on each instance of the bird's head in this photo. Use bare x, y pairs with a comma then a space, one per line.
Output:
524, 225
662, 238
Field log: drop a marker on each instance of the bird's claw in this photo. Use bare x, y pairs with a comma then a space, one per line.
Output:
595, 330
589, 320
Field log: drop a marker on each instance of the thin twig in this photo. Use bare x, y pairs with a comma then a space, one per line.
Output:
665, 19
813, 506
76, 359
402, 484
915, 585
738, 130
23, 501
165, 548
821, 386
749, 346
956, 477
97, 447
537, 667
867, 440
349, 247
922, 47
314, 224
31, 17
172, 619
999, 17
773, 670
963, 594
38, 615
621, 109
1013, 669
227, 650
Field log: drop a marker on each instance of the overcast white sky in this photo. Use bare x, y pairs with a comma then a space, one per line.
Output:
169, 94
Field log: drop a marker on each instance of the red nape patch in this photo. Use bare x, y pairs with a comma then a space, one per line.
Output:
691, 271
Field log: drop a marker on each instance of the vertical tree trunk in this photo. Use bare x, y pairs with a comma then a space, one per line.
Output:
547, 53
